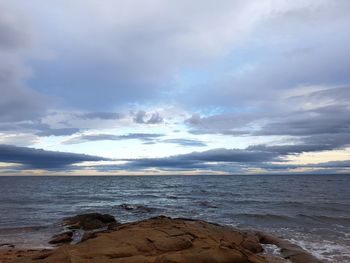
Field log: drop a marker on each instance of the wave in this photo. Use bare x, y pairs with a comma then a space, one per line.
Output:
327, 219
26, 229
264, 216
137, 208
206, 204
319, 218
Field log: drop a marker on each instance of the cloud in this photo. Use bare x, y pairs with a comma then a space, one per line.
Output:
324, 112
265, 70
13, 29
136, 57
145, 137
17, 101
329, 115
100, 115
21, 139
206, 159
155, 119
40, 159
226, 124
185, 142
58, 131
141, 117
270, 72
270, 157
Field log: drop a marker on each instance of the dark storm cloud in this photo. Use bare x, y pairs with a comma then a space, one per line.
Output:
145, 137
41, 159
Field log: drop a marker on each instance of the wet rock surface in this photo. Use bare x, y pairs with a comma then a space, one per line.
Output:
90, 221
288, 250
65, 237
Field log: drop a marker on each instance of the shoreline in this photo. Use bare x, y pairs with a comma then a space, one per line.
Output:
161, 237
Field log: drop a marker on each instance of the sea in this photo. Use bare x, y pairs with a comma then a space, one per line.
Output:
312, 211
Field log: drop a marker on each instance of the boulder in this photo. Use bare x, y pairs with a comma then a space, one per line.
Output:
65, 237
90, 221
289, 251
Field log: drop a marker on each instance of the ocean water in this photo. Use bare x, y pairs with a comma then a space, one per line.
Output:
310, 210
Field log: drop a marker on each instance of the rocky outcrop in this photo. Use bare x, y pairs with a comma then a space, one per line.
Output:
158, 240
166, 240
288, 250
65, 237
90, 221
9, 255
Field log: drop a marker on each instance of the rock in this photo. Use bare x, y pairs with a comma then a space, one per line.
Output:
89, 221
127, 207
88, 235
65, 237
161, 240
9, 255
137, 208
251, 242
289, 251
8, 245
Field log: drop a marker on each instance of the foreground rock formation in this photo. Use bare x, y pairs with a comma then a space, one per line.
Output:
160, 239
163, 239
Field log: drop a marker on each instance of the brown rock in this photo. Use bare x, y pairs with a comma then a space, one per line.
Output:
65, 237
88, 235
8, 255
161, 240
290, 251
90, 221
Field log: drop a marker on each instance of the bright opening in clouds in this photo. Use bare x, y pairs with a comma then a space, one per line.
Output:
174, 87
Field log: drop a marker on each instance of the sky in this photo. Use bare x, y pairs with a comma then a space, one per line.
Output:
164, 87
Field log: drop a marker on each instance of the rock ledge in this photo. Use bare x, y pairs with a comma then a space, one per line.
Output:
163, 240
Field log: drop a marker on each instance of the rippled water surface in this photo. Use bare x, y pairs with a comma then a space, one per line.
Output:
313, 211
